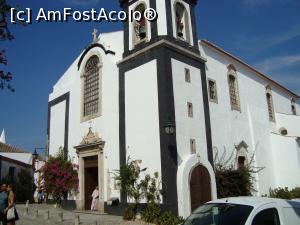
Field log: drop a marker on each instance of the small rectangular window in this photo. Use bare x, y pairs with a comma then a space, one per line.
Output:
187, 75
190, 109
212, 91
193, 146
294, 111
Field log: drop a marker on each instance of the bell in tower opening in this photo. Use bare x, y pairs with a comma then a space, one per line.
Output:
181, 21
140, 25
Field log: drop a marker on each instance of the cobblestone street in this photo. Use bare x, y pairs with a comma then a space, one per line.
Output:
37, 215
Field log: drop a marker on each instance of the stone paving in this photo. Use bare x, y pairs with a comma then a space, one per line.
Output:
37, 215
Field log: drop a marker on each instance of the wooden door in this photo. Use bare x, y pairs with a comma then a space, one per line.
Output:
200, 187
90, 179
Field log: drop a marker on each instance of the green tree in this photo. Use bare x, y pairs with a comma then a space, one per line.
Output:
5, 34
23, 185
129, 178
285, 193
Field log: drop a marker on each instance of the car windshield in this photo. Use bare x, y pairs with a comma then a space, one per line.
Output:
219, 214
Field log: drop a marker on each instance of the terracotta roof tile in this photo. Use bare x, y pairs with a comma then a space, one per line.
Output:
10, 149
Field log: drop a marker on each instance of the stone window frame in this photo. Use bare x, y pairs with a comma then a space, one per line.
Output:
190, 109
84, 118
187, 35
293, 107
234, 94
135, 40
187, 74
270, 104
193, 146
214, 100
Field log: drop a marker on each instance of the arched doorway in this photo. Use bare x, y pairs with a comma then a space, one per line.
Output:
200, 187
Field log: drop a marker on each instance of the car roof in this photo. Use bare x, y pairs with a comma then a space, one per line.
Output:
258, 201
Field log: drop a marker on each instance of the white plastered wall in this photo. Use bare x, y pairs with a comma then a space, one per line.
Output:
286, 154
57, 127
162, 17
251, 124
142, 117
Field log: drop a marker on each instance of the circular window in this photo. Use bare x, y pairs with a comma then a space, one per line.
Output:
283, 131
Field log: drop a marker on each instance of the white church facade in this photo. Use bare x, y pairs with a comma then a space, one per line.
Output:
156, 94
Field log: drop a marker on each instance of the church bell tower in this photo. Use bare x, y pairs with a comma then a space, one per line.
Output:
162, 73
175, 22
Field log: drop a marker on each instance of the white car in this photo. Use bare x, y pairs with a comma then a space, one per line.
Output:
246, 211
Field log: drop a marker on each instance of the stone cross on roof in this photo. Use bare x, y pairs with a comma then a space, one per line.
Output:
95, 38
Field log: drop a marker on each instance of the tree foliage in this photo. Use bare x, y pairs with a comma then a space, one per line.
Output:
23, 185
60, 177
5, 34
285, 193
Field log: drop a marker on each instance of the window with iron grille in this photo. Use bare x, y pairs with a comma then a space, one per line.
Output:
91, 87
233, 91
270, 107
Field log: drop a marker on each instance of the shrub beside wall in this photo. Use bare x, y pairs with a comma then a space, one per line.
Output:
285, 193
232, 181
148, 188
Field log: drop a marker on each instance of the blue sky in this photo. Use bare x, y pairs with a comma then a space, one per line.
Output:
264, 33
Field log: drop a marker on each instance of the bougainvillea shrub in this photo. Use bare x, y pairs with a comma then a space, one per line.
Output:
60, 177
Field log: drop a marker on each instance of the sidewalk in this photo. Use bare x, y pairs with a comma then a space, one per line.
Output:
68, 217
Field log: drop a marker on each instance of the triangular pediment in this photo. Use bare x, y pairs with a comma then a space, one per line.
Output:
89, 142
90, 138
242, 145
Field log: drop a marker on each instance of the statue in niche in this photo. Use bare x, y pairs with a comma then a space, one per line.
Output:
140, 28
179, 25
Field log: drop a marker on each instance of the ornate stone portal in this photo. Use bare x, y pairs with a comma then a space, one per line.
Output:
91, 170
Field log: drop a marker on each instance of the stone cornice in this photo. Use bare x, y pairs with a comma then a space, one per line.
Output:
168, 44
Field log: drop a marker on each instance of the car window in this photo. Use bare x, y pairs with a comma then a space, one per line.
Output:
267, 217
220, 214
